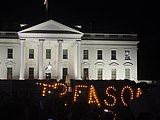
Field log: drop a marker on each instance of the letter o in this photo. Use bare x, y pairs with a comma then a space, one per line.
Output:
122, 94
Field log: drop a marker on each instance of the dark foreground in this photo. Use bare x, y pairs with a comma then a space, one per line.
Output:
23, 100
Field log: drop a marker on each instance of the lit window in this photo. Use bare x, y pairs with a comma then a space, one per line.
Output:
31, 53
127, 74
99, 54
65, 72
113, 54
10, 53
65, 54
85, 73
48, 76
113, 74
85, 54
31, 73
9, 73
48, 53
100, 70
127, 55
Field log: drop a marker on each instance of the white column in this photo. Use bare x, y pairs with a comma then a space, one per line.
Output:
79, 59
21, 76
41, 59
59, 71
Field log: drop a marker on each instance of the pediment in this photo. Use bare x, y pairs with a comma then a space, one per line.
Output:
113, 64
99, 64
51, 27
85, 64
66, 64
10, 63
31, 63
128, 64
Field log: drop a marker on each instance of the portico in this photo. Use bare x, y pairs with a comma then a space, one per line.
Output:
56, 35
51, 50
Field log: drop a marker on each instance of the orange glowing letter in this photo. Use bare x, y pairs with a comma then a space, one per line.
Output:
109, 95
122, 94
93, 97
78, 91
65, 89
138, 92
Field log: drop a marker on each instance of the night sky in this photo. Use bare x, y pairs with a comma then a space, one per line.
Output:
106, 16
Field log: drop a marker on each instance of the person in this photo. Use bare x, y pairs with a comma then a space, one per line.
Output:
14, 110
54, 107
78, 108
90, 115
67, 80
68, 83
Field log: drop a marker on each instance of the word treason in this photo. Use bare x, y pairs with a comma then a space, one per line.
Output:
112, 94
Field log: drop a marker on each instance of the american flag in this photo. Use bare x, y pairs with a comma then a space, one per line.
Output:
45, 2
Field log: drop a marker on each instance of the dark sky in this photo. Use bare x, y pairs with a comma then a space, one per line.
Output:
77, 11
129, 16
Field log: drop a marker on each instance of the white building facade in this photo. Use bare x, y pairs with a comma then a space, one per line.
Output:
51, 50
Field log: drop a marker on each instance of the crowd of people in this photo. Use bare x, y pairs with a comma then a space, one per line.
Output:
54, 107
51, 107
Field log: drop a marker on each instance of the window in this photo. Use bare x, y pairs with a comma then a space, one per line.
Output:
10, 53
31, 53
31, 73
99, 54
48, 53
113, 54
85, 54
48, 76
127, 74
85, 73
65, 72
100, 73
9, 73
127, 55
65, 54
113, 74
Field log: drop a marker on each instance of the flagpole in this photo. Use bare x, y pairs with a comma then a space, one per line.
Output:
46, 5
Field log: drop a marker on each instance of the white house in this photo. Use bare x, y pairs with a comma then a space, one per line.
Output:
51, 50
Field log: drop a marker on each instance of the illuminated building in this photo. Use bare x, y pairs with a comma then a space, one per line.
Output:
51, 50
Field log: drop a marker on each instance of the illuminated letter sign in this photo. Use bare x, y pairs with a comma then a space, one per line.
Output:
93, 98
122, 94
54, 86
111, 96
78, 91
64, 86
117, 93
138, 92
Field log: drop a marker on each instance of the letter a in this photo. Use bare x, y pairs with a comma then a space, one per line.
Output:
93, 98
